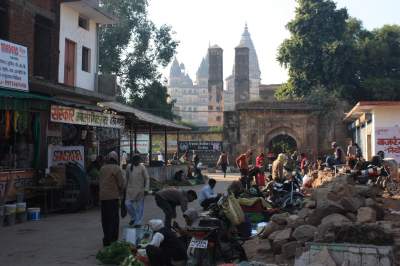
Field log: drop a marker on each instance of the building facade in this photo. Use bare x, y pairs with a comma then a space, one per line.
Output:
191, 98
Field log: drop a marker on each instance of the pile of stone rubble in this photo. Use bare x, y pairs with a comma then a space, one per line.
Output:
338, 211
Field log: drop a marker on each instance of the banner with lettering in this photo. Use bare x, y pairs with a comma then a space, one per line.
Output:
388, 140
64, 154
70, 115
13, 66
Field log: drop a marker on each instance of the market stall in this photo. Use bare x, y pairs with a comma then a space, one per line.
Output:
138, 122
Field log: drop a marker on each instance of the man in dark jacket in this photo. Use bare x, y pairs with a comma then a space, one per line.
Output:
167, 199
111, 186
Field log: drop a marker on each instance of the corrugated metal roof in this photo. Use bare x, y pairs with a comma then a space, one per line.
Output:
143, 116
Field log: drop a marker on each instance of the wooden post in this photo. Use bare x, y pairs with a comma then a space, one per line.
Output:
165, 146
150, 145
177, 143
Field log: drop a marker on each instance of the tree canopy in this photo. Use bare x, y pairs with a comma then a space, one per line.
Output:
330, 50
134, 49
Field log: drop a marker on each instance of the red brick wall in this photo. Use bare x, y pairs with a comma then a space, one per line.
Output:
22, 28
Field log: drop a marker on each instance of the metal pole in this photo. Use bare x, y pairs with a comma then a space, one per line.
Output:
130, 145
150, 145
135, 138
165, 145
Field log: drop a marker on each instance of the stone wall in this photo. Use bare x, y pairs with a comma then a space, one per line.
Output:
254, 124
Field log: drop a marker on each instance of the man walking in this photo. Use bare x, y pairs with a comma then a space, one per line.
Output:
223, 162
168, 198
137, 183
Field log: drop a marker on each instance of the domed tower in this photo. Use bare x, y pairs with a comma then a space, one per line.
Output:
202, 72
254, 73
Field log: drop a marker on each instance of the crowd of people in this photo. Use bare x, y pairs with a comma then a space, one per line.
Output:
133, 184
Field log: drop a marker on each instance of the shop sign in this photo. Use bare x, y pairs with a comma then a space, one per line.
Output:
12, 182
200, 146
388, 140
70, 115
13, 66
65, 154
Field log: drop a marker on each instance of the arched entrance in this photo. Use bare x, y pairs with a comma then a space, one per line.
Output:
282, 143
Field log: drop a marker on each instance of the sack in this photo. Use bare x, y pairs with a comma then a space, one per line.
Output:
124, 212
232, 210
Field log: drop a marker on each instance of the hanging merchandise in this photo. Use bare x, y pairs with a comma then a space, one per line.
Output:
15, 121
22, 122
8, 125
36, 137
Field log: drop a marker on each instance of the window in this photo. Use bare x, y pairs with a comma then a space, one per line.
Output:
85, 59
42, 47
3, 20
83, 23
210, 107
218, 119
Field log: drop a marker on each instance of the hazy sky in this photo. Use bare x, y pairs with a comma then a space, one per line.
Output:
198, 22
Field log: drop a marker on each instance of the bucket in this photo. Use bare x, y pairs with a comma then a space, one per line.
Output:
34, 214
21, 207
11, 209
10, 213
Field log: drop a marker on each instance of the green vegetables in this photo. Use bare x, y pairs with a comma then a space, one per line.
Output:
115, 253
131, 261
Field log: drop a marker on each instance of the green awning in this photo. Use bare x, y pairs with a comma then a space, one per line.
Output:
22, 101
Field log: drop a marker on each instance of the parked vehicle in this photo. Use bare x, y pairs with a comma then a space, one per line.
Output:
287, 195
213, 242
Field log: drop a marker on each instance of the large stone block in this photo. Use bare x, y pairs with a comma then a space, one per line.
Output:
366, 215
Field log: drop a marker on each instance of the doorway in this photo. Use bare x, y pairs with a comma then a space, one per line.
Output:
69, 63
282, 143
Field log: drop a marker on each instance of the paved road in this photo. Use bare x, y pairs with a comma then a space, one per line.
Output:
68, 239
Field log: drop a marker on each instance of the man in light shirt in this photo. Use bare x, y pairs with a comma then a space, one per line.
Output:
207, 195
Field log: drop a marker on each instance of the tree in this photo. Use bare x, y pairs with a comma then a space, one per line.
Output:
380, 64
328, 50
134, 48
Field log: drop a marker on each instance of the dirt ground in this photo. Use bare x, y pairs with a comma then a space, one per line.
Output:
69, 239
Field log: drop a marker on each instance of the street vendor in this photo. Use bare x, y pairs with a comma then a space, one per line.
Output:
242, 163
207, 195
168, 198
277, 168
165, 245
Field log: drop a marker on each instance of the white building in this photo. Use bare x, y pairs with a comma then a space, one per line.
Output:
78, 45
376, 127
191, 100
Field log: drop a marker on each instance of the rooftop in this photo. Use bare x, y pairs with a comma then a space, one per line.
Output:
367, 106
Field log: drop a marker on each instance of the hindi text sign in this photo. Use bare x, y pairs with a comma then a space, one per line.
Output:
70, 115
13, 66
388, 140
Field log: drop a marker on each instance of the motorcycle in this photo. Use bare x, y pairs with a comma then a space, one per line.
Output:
287, 195
213, 240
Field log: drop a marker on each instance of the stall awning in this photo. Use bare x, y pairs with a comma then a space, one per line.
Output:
144, 119
22, 101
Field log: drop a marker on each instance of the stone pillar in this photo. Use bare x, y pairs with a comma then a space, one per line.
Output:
215, 86
242, 81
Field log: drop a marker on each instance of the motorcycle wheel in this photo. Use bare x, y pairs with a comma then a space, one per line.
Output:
391, 187
293, 203
203, 257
